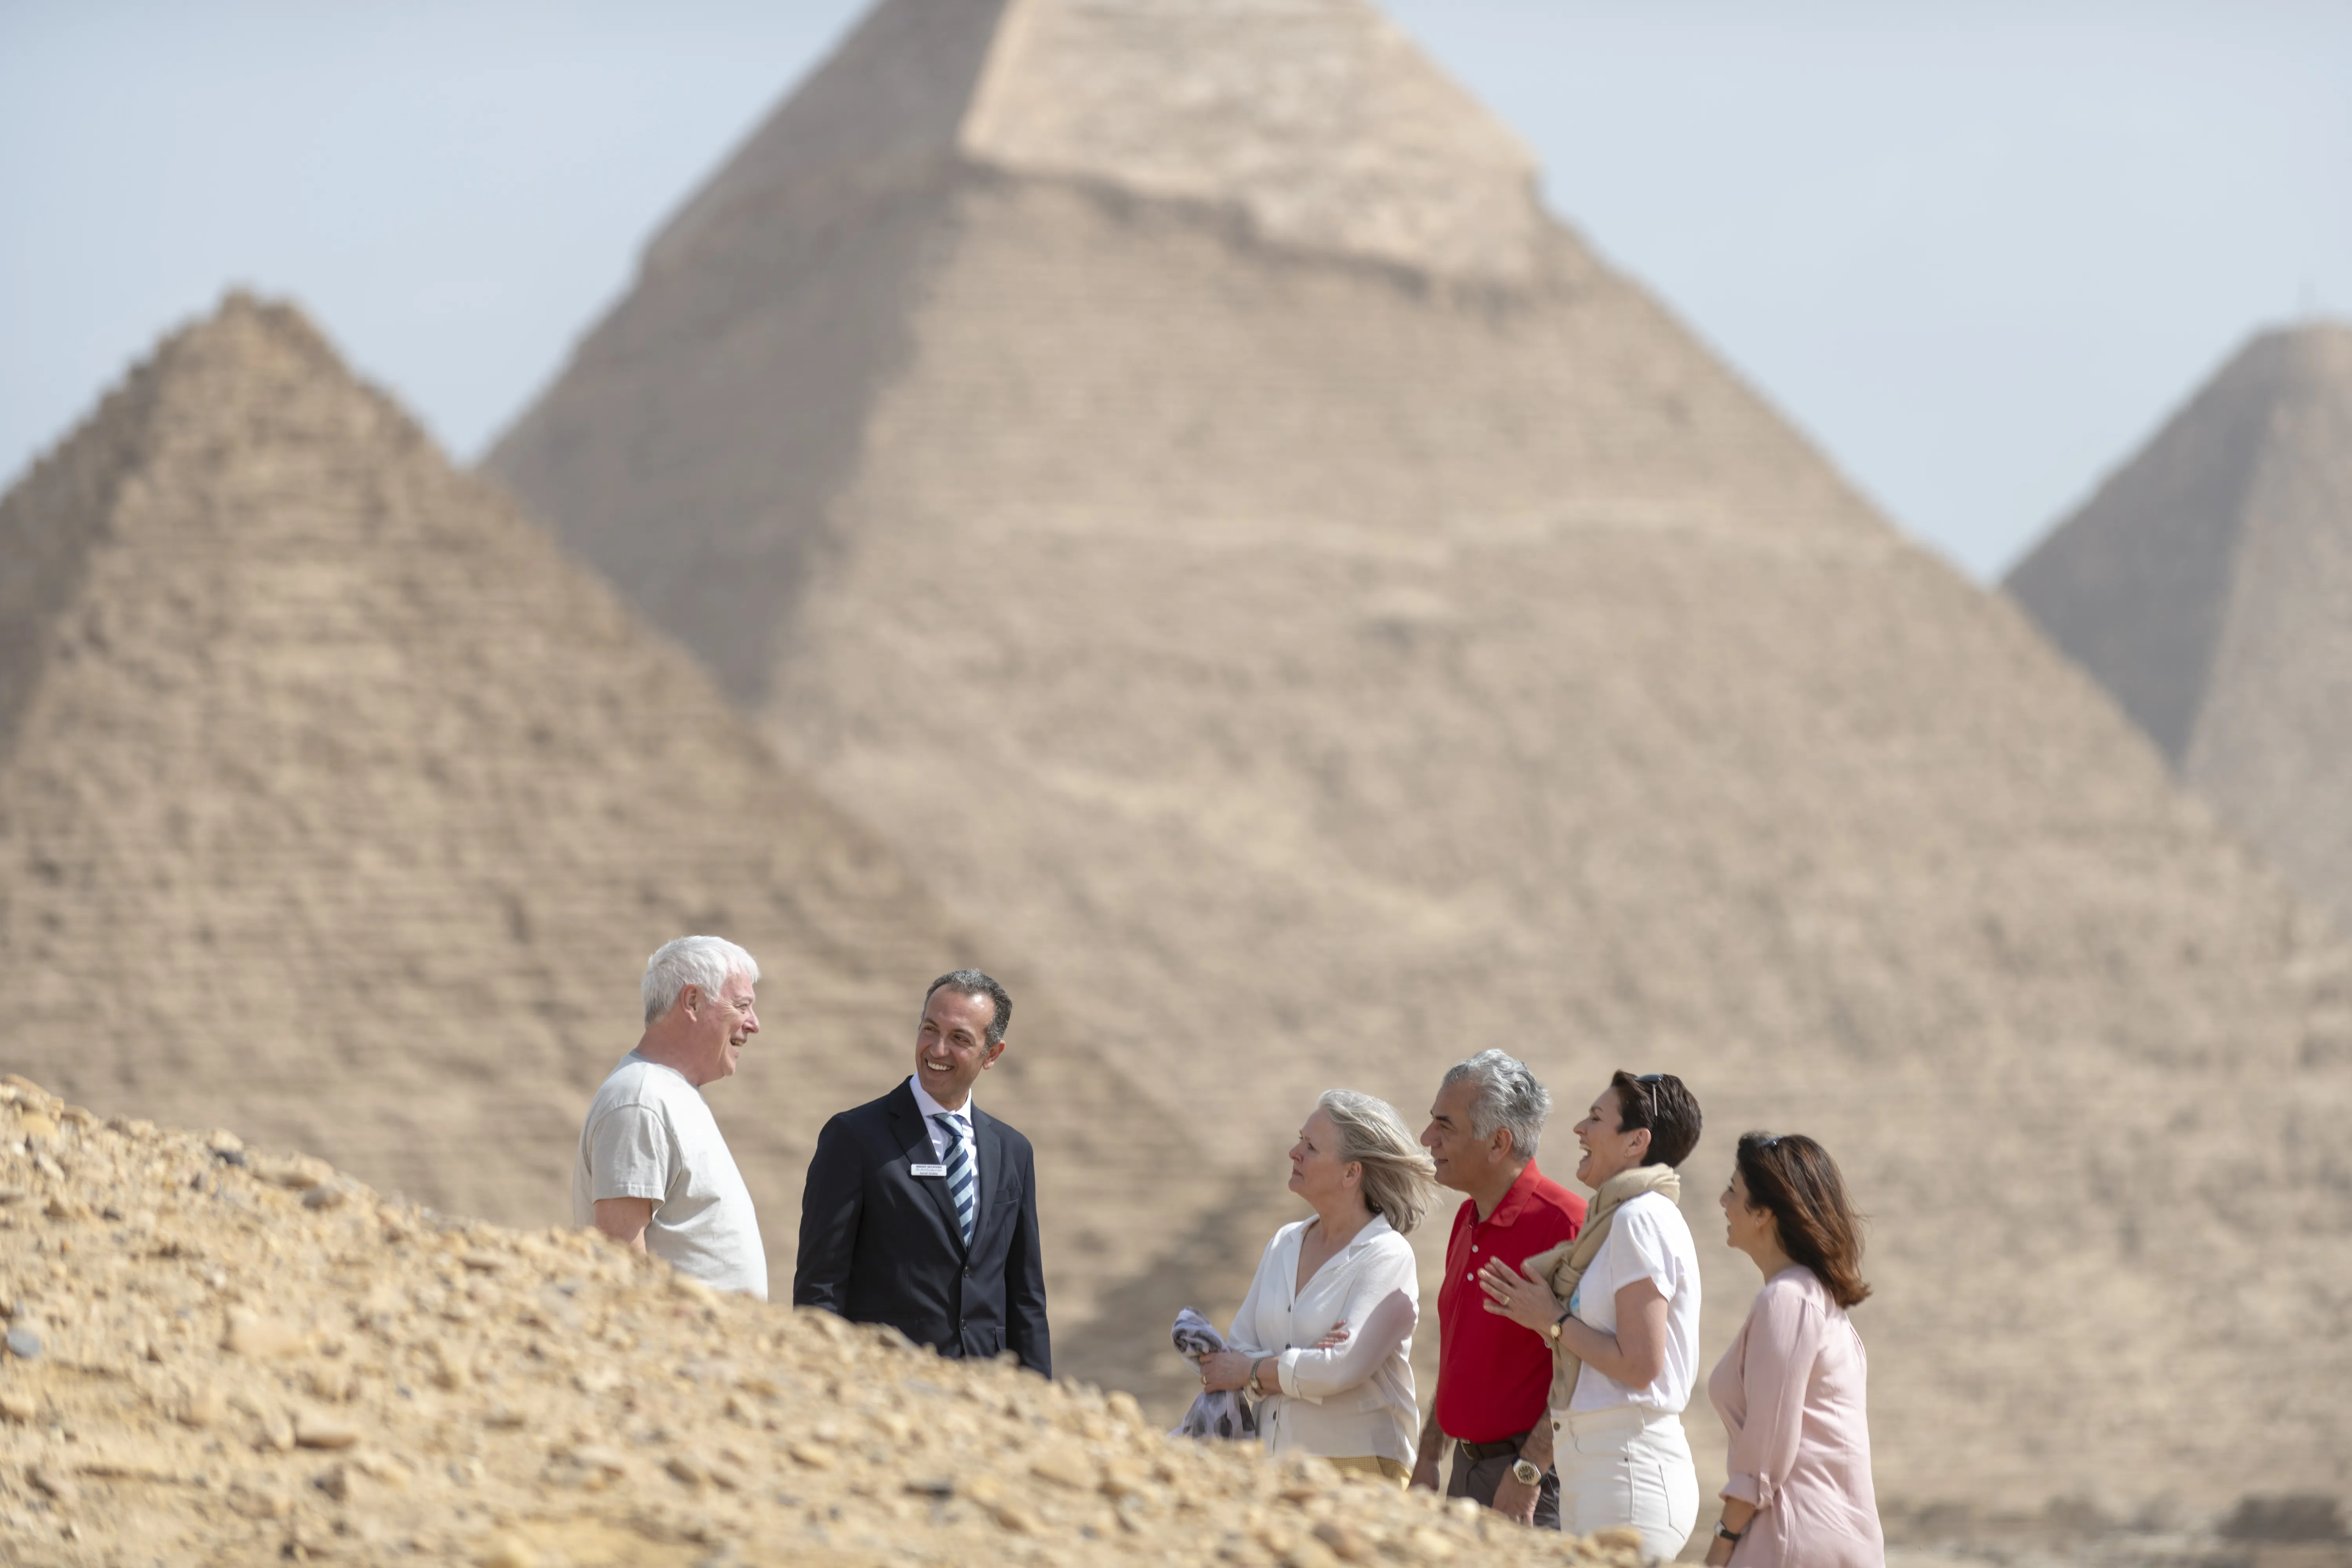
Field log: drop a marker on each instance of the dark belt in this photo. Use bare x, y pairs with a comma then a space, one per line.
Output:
1479, 1453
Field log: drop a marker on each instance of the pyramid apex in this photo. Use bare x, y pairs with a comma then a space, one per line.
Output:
245, 322
2318, 349
1318, 118
1316, 122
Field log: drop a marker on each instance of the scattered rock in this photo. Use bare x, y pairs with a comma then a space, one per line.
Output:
507, 1551
313, 1431
24, 1343
261, 1497
464, 1425
1344, 1540
606, 1463
377, 1468
296, 1172
261, 1337
1065, 1469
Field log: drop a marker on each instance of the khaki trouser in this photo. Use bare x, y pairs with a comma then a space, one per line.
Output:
1372, 1465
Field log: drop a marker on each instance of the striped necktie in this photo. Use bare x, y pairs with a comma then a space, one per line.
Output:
959, 1175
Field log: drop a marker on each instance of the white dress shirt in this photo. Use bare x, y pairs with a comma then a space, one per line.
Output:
939, 1144
1355, 1400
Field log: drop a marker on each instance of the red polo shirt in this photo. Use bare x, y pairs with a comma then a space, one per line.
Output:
1494, 1375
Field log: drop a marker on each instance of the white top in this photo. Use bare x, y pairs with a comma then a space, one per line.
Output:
1648, 1239
650, 1135
1355, 1400
931, 1108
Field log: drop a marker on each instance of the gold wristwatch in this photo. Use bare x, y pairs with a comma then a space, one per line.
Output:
1552, 1333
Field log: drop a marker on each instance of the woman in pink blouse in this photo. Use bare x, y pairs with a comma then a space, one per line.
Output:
1791, 1389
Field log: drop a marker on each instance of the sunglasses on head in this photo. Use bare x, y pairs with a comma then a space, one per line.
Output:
1650, 1082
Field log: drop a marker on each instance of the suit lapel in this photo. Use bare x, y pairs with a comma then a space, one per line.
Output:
989, 1142
915, 1137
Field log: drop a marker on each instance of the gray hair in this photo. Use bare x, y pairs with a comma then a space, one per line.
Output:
1509, 1096
1400, 1178
706, 962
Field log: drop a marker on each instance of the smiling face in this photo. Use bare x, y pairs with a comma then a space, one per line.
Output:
1608, 1149
717, 1027
952, 1048
1317, 1172
1748, 1229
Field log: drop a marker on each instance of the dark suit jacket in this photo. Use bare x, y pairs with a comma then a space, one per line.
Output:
880, 1245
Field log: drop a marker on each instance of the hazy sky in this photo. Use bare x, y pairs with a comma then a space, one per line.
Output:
1976, 251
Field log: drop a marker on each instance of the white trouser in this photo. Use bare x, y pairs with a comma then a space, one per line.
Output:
1626, 1465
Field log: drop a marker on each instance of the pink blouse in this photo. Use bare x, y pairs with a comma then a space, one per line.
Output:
1789, 1391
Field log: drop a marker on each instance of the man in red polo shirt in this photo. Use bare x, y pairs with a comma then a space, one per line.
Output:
1494, 1376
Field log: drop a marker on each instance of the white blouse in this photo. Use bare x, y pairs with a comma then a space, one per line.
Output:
1356, 1399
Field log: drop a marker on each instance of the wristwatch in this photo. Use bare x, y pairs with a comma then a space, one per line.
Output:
1725, 1532
1525, 1473
1558, 1322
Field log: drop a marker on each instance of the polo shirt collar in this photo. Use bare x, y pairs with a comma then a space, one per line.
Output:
1507, 1211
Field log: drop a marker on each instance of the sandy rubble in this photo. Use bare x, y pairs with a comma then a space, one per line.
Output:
218, 1354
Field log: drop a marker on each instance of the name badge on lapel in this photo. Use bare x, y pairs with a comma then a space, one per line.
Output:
929, 1170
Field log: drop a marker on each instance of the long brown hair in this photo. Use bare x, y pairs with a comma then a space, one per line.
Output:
1796, 1179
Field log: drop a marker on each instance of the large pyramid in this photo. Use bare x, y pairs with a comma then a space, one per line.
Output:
2207, 585
1371, 629
336, 806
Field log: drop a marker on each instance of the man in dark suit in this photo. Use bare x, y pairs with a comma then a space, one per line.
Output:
922, 1209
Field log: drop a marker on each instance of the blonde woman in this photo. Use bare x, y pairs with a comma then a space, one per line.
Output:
1325, 1336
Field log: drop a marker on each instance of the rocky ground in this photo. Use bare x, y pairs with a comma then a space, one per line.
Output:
217, 1354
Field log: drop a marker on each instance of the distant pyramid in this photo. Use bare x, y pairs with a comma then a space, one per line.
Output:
2207, 585
1330, 637
337, 806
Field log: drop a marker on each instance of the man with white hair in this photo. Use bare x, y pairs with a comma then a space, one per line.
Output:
652, 1172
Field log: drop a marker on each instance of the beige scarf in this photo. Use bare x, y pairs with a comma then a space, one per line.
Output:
1564, 1265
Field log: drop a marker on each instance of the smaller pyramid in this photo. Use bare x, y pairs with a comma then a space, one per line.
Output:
2207, 585
337, 806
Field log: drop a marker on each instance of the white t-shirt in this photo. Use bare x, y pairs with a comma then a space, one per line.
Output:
1648, 1239
649, 1134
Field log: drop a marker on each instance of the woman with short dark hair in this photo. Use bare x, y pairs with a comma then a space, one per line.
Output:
1619, 1306
1791, 1389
